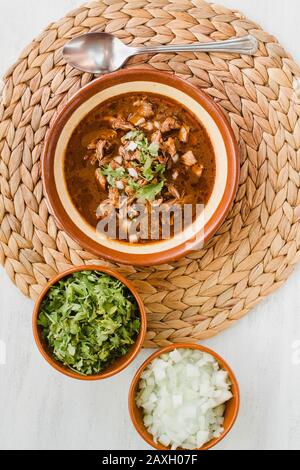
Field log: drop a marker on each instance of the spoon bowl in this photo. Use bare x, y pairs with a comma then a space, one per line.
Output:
97, 53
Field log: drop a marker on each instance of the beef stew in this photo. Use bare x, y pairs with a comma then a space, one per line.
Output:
142, 147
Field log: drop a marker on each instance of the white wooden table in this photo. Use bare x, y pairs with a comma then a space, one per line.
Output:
39, 409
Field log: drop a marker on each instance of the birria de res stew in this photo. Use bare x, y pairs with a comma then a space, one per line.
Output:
143, 147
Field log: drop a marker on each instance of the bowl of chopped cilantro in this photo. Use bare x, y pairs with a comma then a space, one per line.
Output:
89, 323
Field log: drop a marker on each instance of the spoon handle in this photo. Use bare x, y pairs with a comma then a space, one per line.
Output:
245, 45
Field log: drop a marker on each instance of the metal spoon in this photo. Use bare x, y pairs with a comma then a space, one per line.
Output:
103, 53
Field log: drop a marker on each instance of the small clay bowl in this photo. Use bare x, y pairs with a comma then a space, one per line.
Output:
118, 365
232, 407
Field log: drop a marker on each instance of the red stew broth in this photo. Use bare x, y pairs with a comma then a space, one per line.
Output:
82, 185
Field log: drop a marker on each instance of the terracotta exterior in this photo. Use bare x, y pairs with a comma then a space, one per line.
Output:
232, 407
118, 365
63, 219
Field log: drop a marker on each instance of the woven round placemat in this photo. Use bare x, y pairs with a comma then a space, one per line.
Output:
258, 245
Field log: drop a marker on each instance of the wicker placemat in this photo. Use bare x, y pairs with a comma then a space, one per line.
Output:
258, 245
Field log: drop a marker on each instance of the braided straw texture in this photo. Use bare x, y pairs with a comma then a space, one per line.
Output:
257, 247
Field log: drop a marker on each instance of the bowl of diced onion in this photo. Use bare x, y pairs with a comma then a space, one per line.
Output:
184, 397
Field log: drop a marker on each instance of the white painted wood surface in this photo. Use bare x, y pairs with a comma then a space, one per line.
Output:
39, 409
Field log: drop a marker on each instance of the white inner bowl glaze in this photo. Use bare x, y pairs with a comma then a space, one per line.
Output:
220, 155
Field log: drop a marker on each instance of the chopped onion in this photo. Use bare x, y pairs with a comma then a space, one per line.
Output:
132, 146
183, 395
120, 185
118, 160
133, 173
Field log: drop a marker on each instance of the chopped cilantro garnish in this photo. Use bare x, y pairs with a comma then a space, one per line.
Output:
88, 320
148, 169
160, 169
113, 175
134, 135
149, 192
153, 149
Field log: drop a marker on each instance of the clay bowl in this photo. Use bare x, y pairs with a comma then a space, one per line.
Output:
232, 407
186, 95
117, 366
